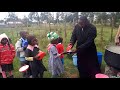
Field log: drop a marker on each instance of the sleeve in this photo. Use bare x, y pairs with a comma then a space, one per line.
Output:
117, 35
54, 50
62, 48
27, 55
18, 46
58, 48
73, 37
91, 36
29, 58
13, 51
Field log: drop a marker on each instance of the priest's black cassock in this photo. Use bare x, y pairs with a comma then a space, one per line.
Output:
87, 62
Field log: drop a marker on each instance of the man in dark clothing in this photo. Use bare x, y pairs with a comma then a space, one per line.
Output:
85, 33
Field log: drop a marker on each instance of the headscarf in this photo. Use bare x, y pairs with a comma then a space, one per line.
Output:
52, 36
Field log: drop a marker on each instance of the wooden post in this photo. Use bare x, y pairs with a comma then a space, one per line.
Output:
112, 29
101, 34
49, 25
65, 29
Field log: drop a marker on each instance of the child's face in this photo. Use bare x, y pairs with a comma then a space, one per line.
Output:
54, 41
34, 42
4, 41
24, 35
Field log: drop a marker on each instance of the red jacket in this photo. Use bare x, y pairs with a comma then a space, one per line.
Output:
6, 54
60, 49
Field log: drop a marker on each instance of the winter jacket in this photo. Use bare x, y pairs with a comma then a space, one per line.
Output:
7, 54
19, 48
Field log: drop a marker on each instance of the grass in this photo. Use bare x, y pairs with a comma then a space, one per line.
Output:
41, 32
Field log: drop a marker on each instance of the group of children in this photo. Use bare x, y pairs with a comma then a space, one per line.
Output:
27, 50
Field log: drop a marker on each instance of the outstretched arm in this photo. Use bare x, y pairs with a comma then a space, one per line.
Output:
117, 36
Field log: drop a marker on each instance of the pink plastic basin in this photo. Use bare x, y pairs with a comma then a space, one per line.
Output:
99, 75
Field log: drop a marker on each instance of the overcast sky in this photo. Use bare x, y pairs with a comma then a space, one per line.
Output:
19, 14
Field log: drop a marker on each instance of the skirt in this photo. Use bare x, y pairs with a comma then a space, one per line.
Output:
37, 68
7, 67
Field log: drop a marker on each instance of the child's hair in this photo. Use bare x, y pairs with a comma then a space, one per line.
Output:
60, 40
30, 38
54, 41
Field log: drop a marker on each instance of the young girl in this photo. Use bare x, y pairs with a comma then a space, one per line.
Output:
54, 64
36, 66
7, 54
60, 48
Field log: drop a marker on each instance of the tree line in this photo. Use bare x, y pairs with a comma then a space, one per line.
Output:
105, 18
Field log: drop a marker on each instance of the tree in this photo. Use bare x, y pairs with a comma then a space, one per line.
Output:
2, 21
34, 16
12, 17
91, 17
48, 17
116, 17
69, 18
26, 21
102, 16
85, 14
63, 17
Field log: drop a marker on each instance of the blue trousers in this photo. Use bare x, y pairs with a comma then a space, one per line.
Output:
62, 59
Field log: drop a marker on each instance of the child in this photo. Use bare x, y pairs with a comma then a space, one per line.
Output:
7, 54
55, 65
60, 48
20, 46
31, 52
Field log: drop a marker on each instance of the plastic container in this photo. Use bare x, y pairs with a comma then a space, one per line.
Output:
74, 60
68, 48
99, 54
24, 68
41, 54
99, 75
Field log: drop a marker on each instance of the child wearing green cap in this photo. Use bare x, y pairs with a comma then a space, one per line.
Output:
55, 65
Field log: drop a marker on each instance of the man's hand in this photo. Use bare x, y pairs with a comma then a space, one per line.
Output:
70, 44
74, 51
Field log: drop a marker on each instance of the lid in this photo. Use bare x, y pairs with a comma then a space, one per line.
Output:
24, 68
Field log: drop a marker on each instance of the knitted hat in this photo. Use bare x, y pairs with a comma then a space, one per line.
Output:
52, 36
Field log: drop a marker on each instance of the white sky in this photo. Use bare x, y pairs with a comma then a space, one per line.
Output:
19, 14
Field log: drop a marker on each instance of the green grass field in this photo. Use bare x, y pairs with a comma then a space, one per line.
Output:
41, 32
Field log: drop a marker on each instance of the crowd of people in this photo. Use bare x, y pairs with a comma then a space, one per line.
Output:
26, 50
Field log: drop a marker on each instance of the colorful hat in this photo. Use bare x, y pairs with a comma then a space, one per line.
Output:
52, 36
3, 36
